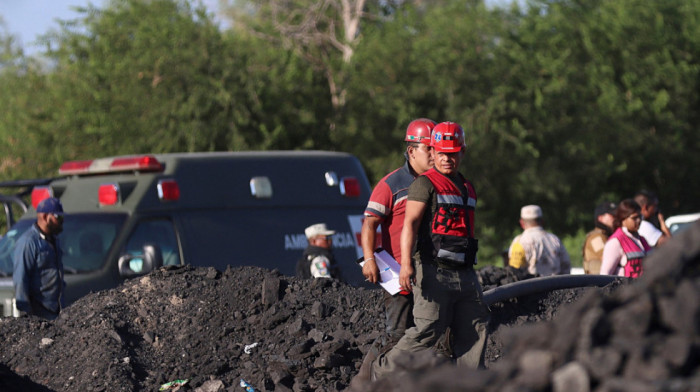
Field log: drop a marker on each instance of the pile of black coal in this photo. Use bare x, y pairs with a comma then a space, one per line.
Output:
642, 337
491, 276
213, 330
205, 327
200, 325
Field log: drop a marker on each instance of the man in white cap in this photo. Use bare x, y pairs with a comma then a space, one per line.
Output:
318, 260
538, 251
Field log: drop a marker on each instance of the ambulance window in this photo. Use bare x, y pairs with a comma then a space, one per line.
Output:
87, 238
160, 232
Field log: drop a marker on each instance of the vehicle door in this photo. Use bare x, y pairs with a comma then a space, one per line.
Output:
157, 232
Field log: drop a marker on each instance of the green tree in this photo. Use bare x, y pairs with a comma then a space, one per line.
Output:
325, 33
18, 100
564, 102
434, 62
145, 76
594, 99
159, 76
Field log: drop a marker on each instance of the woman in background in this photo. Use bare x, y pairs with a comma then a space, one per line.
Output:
625, 249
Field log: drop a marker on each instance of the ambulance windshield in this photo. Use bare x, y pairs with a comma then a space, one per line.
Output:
85, 241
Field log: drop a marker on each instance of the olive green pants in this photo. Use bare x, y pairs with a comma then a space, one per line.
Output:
443, 298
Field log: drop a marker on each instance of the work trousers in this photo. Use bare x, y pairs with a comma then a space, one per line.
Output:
443, 298
39, 310
399, 315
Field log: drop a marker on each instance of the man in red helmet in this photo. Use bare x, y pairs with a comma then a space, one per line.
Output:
386, 207
447, 294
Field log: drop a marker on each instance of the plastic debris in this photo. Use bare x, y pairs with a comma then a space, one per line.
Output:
247, 349
173, 384
248, 387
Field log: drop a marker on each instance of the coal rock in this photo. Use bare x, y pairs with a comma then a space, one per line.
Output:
641, 336
247, 326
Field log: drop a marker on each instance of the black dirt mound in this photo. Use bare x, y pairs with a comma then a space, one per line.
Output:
518, 312
276, 333
207, 327
643, 337
11, 382
491, 277
246, 323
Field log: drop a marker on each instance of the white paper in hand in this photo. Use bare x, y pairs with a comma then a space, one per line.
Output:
388, 271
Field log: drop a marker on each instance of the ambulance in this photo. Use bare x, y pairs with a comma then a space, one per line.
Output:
127, 215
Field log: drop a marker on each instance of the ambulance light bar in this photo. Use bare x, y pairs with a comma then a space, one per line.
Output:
141, 163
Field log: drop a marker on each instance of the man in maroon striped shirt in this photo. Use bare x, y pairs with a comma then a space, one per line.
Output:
386, 208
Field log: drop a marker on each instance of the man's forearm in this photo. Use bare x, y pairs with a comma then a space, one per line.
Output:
662, 225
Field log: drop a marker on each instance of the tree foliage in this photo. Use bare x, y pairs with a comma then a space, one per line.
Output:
564, 102
323, 32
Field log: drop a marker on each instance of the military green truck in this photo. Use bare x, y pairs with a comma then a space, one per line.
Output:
127, 215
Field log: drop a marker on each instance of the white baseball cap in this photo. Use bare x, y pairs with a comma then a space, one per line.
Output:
531, 212
317, 229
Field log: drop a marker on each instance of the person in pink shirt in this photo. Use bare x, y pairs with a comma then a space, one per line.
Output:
626, 248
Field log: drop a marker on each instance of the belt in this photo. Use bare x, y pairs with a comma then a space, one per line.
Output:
450, 266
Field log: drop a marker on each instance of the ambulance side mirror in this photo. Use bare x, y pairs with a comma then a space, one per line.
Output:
141, 264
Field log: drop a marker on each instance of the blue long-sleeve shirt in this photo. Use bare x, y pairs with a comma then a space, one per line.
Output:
38, 273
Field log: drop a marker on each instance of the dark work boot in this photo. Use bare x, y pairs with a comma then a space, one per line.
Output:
364, 374
444, 346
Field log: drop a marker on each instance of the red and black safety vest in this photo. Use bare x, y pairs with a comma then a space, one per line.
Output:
635, 255
452, 224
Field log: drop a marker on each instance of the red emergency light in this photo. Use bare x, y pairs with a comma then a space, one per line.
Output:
349, 187
39, 193
108, 194
74, 167
168, 190
140, 163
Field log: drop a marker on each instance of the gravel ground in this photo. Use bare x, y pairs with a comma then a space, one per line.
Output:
278, 333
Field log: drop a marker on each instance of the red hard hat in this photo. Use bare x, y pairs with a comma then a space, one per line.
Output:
447, 137
418, 131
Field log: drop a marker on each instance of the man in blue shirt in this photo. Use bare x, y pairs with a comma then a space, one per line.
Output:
38, 268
